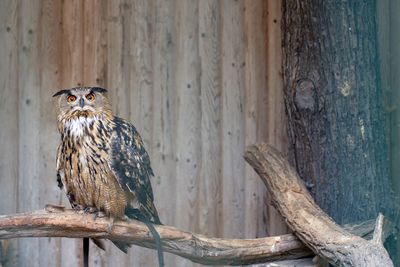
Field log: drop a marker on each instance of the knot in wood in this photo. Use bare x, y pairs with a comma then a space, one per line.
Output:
305, 95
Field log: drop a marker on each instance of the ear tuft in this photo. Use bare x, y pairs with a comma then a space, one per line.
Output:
61, 92
99, 90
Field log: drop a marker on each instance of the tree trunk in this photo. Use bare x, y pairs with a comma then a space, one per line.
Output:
335, 108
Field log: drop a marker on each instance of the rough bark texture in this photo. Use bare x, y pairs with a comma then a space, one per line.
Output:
334, 106
313, 226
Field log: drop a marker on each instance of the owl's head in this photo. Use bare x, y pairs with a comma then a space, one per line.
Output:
82, 102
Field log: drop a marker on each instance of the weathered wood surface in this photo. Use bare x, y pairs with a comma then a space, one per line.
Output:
313, 226
9, 105
29, 156
146, 53
195, 247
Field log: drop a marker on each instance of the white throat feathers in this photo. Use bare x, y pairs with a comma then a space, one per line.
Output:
77, 126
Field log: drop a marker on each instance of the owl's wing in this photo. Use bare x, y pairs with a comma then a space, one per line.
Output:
131, 166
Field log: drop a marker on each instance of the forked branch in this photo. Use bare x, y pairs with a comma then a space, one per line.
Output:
313, 226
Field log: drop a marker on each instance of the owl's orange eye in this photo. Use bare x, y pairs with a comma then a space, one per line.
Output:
71, 98
90, 97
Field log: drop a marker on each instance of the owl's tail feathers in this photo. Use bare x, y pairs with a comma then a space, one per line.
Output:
138, 215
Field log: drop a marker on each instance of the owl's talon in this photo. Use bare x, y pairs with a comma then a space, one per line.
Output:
77, 207
90, 210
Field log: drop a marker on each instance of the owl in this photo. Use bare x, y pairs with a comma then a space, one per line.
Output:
101, 161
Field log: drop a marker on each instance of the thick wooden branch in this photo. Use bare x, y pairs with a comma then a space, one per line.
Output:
313, 226
195, 247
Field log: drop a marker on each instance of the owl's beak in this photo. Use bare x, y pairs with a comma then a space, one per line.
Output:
81, 102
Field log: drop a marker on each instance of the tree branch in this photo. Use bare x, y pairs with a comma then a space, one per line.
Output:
314, 227
197, 248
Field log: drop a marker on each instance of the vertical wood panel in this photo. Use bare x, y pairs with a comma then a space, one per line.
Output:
117, 13
29, 124
209, 188
94, 42
164, 113
9, 118
233, 118
50, 52
188, 118
255, 110
187, 86
72, 43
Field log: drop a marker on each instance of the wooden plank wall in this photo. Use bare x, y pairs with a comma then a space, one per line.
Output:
200, 80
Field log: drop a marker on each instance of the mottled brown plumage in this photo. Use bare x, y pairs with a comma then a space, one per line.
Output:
101, 161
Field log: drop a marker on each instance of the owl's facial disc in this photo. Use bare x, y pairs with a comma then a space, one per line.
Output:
82, 102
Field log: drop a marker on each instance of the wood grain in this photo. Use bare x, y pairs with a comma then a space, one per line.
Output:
255, 110
50, 52
210, 188
9, 141
172, 69
233, 125
72, 43
94, 42
164, 113
29, 126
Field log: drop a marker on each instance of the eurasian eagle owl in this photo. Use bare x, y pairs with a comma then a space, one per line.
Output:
101, 161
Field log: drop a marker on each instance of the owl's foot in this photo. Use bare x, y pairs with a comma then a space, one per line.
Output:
77, 207
86, 210
94, 211
90, 210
